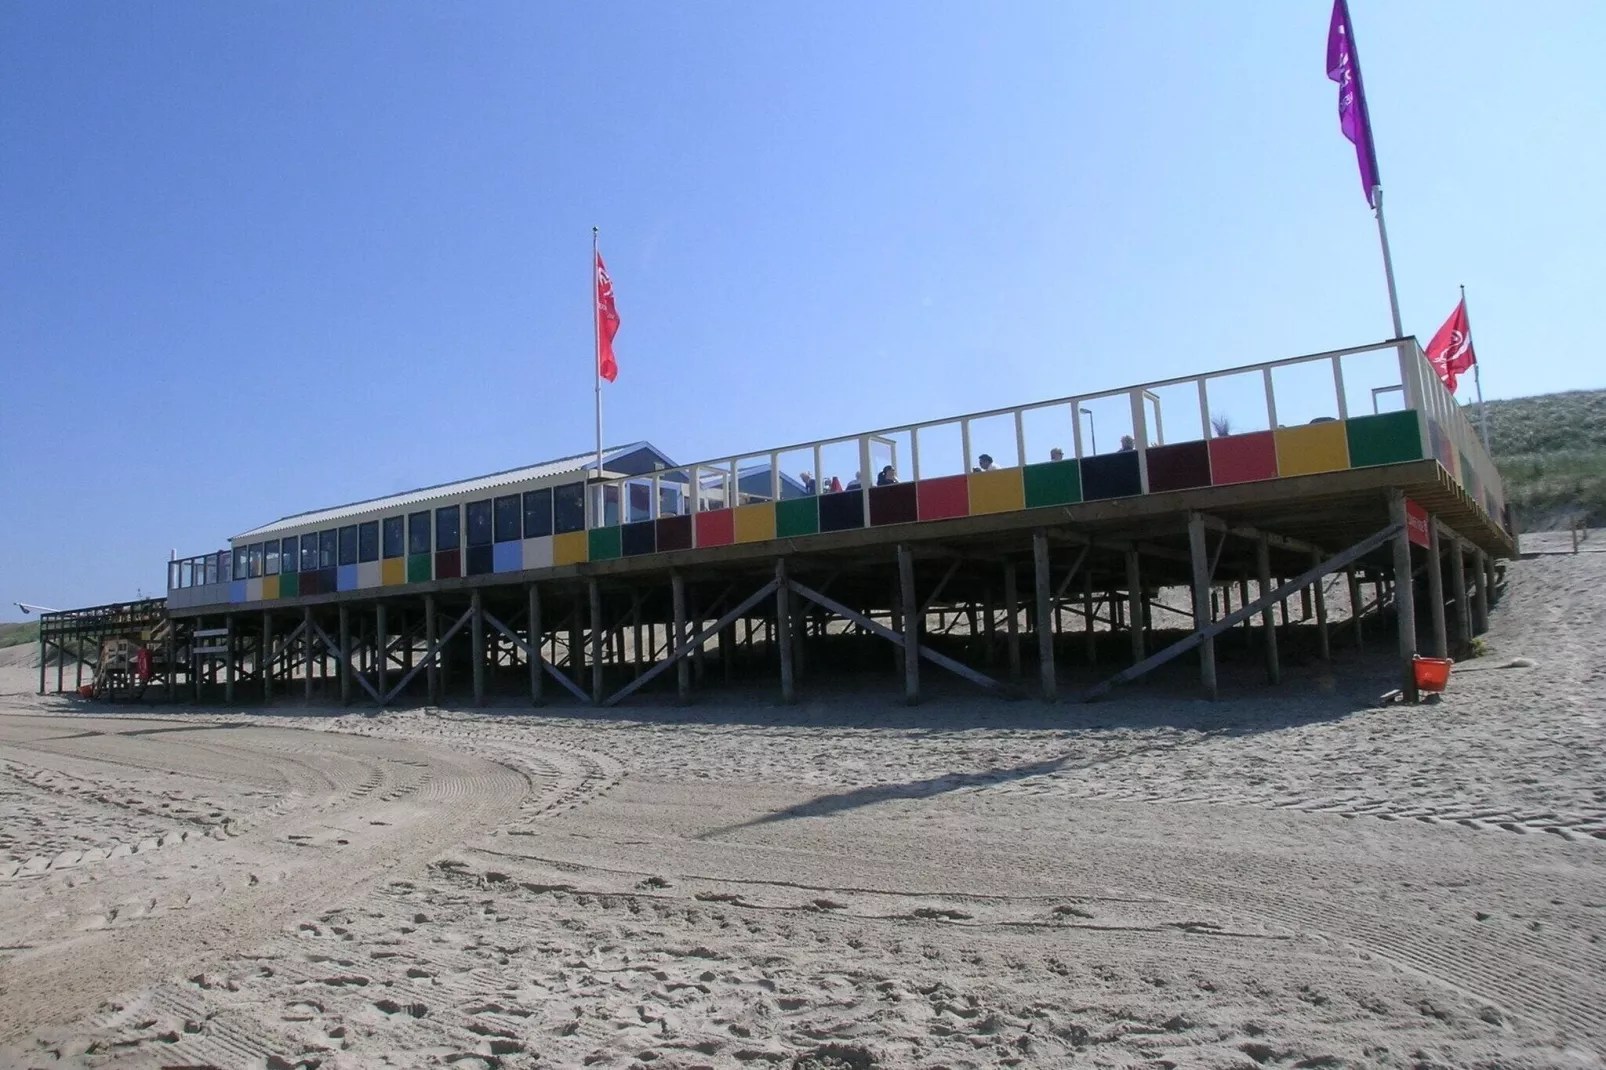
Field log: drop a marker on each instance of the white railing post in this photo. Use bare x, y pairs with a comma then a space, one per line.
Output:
1271, 400
964, 442
775, 477
1140, 437
1020, 438
914, 454
1338, 385
1204, 409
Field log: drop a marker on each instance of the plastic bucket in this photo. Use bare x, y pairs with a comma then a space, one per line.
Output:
1431, 673
86, 690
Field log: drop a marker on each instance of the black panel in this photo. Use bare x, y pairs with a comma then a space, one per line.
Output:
1114, 475
839, 512
636, 539
893, 504
1179, 466
569, 508
537, 513
674, 533
480, 560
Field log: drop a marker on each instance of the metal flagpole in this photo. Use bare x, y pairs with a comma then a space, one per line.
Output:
1477, 379
596, 343
1388, 261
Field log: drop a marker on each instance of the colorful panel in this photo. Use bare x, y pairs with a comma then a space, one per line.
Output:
569, 548
270, 587
1385, 438
797, 516
1469, 478
997, 491
290, 585
1243, 458
944, 498
237, 591
420, 568
895, 504
603, 544
717, 528
1444, 450
479, 560
755, 523
368, 574
639, 538
842, 511
507, 557
1053, 483
1113, 475
1178, 466
393, 571
1312, 448
310, 582
674, 533
253, 590
538, 552
346, 578
448, 564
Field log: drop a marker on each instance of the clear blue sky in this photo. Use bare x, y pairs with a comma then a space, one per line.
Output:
260, 258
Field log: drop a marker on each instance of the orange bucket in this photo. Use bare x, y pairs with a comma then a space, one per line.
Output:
1431, 673
86, 690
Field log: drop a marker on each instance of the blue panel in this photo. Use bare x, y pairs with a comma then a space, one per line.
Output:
509, 557
237, 591
346, 578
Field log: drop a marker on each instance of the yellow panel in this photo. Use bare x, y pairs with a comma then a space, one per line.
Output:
570, 548
755, 523
270, 587
393, 571
1312, 448
998, 491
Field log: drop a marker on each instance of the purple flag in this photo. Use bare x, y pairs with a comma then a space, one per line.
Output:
1344, 67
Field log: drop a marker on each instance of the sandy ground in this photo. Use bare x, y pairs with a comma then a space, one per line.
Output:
1292, 878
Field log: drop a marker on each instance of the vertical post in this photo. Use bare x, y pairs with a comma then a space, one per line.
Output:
1323, 640
677, 589
476, 625
432, 671
594, 594
172, 658
911, 625
1404, 600
1090, 636
1458, 590
306, 645
1045, 617
264, 654
229, 651
596, 345
1243, 599
344, 666
1200, 554
1480, 593
42, 657
536, 681
1355, 604
1134, 604
382, 649
1012, 616
783, 631
1274, 671
1441, 634
1388, 264
78, 664
987, 632
61, 656
895, 616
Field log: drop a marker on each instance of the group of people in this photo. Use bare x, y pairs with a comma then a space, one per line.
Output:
888, 475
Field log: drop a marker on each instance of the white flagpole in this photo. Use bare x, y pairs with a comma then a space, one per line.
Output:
1477, 380
1388, 261
596, 343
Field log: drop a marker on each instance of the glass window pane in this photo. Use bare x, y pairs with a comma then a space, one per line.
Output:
368, 541
479, 523
348, 544
569, 507
239, 564
270, 559
309, 552
507, 518
447, 523
394, 541
418, 533
289, 559
254, 563
326, 548
211, 569
537, 513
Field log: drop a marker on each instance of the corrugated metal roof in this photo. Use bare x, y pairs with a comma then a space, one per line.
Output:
579, 462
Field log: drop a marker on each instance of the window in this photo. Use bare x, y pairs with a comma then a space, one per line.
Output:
239, 564
348, 544
309, 552
569, 507
393, 539
326, 548
418, 533
254, 562
288, 559
368, 541
270, 561
537, 513
211, 568
479, 523
507, 518
447, 522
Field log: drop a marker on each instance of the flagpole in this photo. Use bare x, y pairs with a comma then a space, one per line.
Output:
596, 345
1477, 379
1388, 260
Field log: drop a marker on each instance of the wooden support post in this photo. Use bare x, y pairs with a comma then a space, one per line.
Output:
264, 654
172, 658
229, 652
1012, 620
1201, 602
594, 594
1404, 600
382, 649
476, 631
677, 590
988, 634
1134, 602
895, 618
698, 654
1274, 670
306, 645
1483, 578
1044, 593
44, 657
1249, 622
1355, 605
783, 629
1324, 645
534, 653
344, 666
1441, 634
911, 625
1090, 637
1458, 589
432, 672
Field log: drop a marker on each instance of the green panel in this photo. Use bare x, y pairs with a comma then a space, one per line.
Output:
1053, 483
797, 516
1386, 438
603, 543
420, 569
289, 584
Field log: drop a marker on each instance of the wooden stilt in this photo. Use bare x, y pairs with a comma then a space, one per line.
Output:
306, 645
1201, 602
264, 654
533, 591
1404, 598
1012, 620
1435, 570
1355, 605
989, 635
1483, 588
344, 666
432, 672
1090, 638
594, 594
1274, 670
476, 631
1134, 603
1458, 590
1324, 644
677, 589
230, 651
911, 625
382, 649
172, 658
783, 627
1044, 592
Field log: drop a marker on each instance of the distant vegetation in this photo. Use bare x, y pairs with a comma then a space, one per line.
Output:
1551, 451
17, 634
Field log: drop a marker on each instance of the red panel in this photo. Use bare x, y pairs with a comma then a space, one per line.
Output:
942, 498
717, 528
448, 566
1243, 458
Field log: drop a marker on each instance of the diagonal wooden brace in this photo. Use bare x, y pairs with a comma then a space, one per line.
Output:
429, 657
700, 638
568, 684
344, 657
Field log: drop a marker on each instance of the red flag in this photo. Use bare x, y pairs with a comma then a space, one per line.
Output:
1451, 351
607, 324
